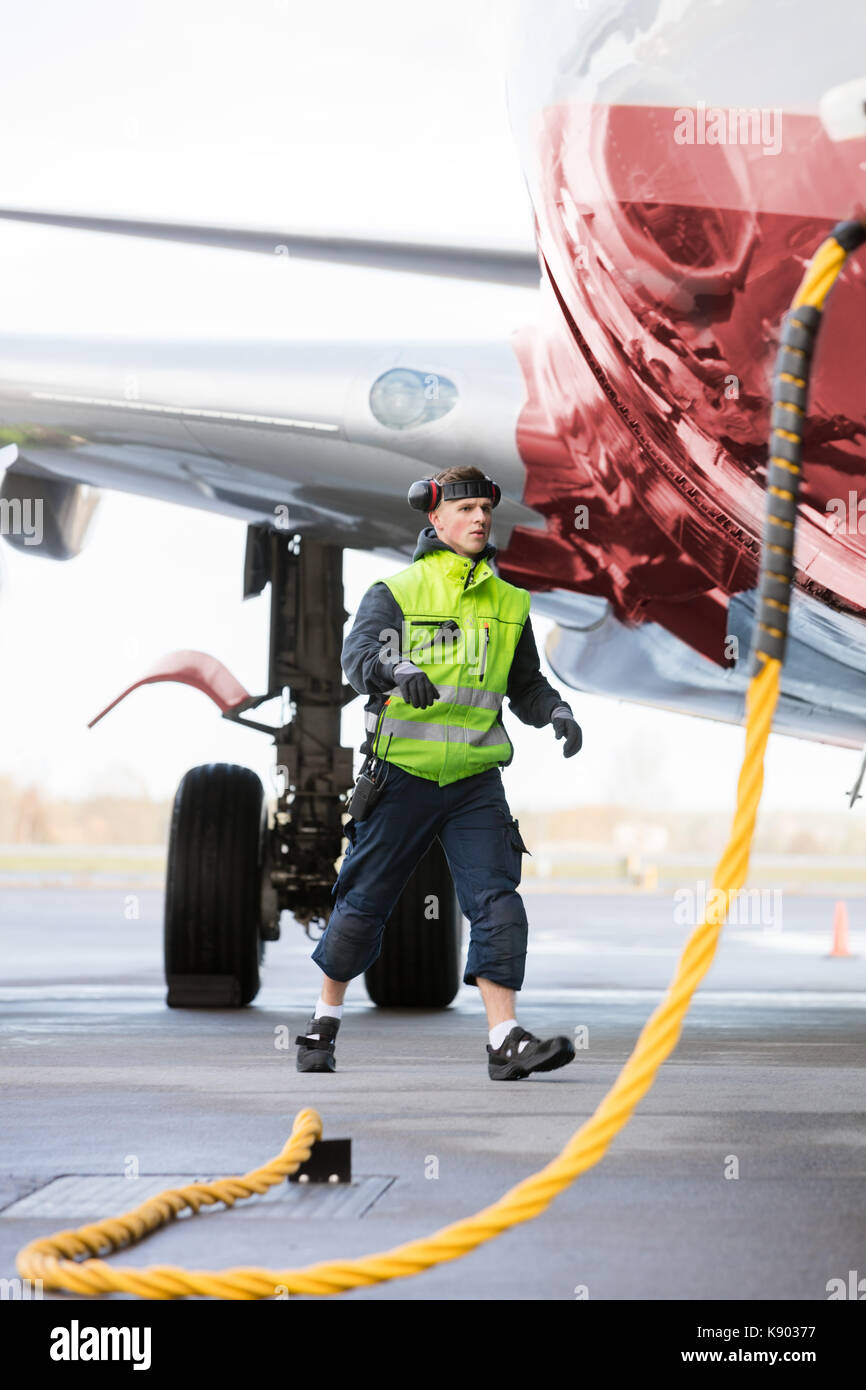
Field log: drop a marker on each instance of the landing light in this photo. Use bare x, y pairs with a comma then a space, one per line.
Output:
402, 399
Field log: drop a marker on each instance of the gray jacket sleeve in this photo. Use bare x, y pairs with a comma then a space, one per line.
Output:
375, 634
530, 695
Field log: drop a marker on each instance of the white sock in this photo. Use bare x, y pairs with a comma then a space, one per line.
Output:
332, 1010
500, 1032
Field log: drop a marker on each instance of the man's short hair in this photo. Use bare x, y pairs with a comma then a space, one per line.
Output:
461, 474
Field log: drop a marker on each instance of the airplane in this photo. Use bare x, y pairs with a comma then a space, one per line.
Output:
683, 164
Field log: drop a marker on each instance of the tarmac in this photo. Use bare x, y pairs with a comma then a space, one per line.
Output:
739, 1177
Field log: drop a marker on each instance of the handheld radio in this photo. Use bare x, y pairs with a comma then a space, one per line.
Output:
371, 779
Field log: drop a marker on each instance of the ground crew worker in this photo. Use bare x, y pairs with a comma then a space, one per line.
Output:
439, 732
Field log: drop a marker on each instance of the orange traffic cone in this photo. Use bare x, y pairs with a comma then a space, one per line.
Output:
840, 931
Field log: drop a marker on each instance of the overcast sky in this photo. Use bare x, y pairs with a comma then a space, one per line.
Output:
381, 118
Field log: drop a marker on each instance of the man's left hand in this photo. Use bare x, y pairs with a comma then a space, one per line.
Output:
566, 726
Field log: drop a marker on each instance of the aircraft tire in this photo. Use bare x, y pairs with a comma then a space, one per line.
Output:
212, 942
419, 965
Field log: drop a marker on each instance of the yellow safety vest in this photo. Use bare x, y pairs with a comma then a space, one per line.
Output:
461, 733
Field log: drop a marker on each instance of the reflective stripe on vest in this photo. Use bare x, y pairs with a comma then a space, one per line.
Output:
443, 733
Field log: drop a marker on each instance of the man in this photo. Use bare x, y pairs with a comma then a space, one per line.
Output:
439, 732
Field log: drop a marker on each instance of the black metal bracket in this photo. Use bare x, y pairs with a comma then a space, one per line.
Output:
329, 1161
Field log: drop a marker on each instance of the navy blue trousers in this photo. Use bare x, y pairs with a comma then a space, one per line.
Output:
483, 846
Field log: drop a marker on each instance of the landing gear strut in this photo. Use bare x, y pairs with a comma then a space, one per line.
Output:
231, 873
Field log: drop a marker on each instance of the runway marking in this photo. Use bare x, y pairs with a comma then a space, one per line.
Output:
11, 993
852, 999
264, 1005
815, 943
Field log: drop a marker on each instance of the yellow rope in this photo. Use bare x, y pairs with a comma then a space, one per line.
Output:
49, 1259
67, 1260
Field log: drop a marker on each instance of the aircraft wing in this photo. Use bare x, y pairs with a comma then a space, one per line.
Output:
496, 265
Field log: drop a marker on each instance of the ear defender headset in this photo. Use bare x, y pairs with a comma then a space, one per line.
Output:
425, 496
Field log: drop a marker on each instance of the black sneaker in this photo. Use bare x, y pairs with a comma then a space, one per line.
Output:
506, 1063
316, 1046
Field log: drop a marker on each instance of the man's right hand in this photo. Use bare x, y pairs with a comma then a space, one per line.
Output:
415, 687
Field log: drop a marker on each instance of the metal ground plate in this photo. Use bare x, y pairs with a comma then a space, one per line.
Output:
93, 1196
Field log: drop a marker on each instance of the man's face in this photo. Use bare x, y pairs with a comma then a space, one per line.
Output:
464, 524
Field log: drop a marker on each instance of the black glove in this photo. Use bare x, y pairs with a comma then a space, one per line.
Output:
565, 726
415, 687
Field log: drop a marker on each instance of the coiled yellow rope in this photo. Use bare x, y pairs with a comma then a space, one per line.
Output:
67, 1260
